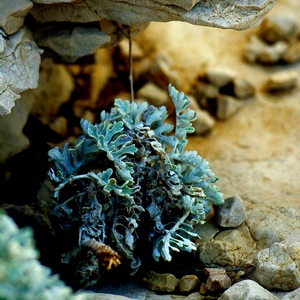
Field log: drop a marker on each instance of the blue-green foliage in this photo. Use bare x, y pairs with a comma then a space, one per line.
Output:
21, 274
132, 169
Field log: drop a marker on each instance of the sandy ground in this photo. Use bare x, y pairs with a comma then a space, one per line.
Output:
256, 153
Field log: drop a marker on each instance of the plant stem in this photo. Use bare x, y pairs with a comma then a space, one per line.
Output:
130, 66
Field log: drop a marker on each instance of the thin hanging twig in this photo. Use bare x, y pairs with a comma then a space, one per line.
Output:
130, 66
128, 35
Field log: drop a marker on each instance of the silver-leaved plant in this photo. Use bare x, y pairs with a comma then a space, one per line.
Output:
129, 172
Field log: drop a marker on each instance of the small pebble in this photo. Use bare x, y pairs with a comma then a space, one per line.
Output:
281, 81
220, 76
188, 283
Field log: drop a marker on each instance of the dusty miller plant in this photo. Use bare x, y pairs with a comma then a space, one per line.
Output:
128, 172
21, 274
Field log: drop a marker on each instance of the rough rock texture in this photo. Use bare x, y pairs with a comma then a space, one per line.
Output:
12, 14
231, 14
278, 267
161, 282
19, 67
247, 290
232, 213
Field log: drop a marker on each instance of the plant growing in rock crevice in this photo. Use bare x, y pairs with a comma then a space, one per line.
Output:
127, 174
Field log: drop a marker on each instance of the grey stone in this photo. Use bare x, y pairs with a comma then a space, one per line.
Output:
227, 106
12, 14
19, 68
247, 290
231, 213
278, 267
281, 81
233, 14
206, 231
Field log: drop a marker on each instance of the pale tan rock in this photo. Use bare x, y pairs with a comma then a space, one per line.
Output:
226, 106
205, 90
242, 88
268, 226
55, 88
188, 283
278, 28
161, 282
12, 139
153, 94
161, 72
294, 295
59, 125
19, 68
204, 122
220, 76
281, 81
247, 290
234, 247
293, 53
259, 51
12, 14
278, 267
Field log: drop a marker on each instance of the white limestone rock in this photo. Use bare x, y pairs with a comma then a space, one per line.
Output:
247, 290
12, 14
282, 81
19, 68
232, 14
227, 106
278, 267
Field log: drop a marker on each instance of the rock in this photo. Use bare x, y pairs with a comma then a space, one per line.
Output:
241, 15
188, 283
54, 89
153, 94
232, 213
268, 226
233, 247
19, 68
161, 72
258, 51
242, 88
206, 231
226, 106
217, 279
161, 282
294, 295
277, 28
247, 290
293, 53
204, 122
12, 14
278, 267
59, 125
12, 139
205, 90
220, 76
281, 81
